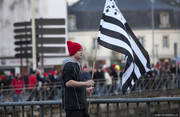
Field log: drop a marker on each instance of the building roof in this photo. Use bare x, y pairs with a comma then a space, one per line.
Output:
94, 5
175, 3
136, 12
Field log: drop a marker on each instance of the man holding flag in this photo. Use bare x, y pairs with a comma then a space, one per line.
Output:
74, 85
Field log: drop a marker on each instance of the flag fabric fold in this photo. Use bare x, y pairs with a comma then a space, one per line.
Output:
115, 34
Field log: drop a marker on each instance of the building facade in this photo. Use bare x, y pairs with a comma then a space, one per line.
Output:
84, 19
83, 25
20, 11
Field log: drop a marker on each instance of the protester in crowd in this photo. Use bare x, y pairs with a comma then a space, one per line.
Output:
112, 71
46, 78
101, 79
154, 71
114, 76
32, 85
108, 81
86, 74
46, 86
2, 77
26, 80
52, 74
173, 70
58, 84
158, 69
119, 71
95, 76
18, 86
100, 73
74, 86
40, 82
10, 78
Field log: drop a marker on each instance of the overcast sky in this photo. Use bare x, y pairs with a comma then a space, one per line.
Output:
72, 1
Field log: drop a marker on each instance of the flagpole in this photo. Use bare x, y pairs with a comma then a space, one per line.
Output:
92, 76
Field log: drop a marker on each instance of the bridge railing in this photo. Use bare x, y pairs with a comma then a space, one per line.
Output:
136, 107
53, 91
156, 84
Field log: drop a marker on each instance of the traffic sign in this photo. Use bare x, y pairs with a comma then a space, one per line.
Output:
48, 31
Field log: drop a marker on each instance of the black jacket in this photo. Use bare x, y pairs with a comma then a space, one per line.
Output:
73, 97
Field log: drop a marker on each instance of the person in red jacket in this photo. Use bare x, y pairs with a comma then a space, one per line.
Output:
2, 77
32, 85
18, 86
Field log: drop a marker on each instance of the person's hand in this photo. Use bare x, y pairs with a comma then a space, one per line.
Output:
89, 90
89, 83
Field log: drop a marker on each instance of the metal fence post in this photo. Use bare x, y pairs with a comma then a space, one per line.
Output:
117, 114
50, 110
148, 108
41, 111
22, 111
4, 111
13, 111
60, 110
169, 108
32, 111
107, 109
158, 105
137, 109
98, 110
127, 109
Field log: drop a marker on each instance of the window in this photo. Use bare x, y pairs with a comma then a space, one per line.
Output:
164, 20
95, 43
72, 22
165, 42
141, 40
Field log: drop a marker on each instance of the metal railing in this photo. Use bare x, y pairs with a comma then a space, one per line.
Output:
152, 84
134, 107
51, 92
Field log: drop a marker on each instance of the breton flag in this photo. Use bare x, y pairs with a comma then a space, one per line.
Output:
115, 34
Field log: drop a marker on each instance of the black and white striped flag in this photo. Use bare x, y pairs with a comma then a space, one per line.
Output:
115, 34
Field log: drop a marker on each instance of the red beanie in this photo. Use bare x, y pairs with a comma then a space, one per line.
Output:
73, 47
45, 74
2, 77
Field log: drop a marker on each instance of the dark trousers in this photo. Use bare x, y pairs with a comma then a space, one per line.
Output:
32, 95
77, 113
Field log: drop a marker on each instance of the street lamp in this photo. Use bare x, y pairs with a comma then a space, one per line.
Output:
152, 21
33, 37
157, 52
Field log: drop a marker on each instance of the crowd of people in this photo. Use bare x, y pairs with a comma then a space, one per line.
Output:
37, 85
108, 81
163, 69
